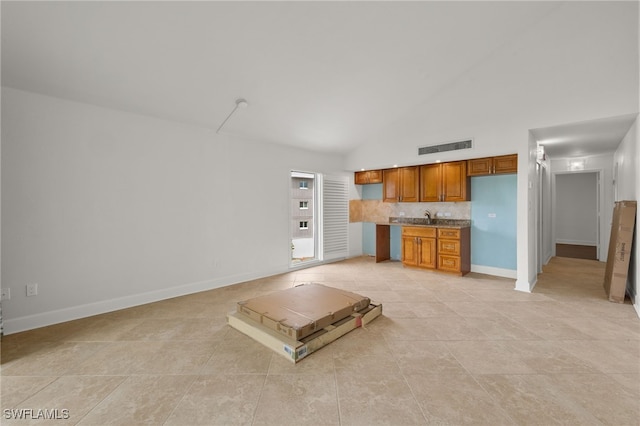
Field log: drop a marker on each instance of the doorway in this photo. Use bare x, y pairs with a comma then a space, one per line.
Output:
577, 215
304, 224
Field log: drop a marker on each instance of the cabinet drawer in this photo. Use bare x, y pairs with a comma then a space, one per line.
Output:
449, 233
414, 231
449, 263
451, 247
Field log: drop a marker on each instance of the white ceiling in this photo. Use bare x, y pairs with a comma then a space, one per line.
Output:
318, 75
586, 138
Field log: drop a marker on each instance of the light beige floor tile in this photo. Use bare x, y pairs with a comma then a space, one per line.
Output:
456, 399
179, 357
239, 354
402, 329
505, 295
552, 329
53, 359
535, 400
367, 286
219, 400
426, 357
601, 396
471, 309
367, 399
16, 389
169, 329
117, 358
308, 400
77, 394
602, 328
630, 382
418, 295
140, 400
549, 357
502, 329
490, 357
453, 294
398, 310
607, 356
103, 329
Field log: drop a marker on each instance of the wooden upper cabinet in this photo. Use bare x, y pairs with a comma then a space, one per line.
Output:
480, 166
400, 185
430, 183
455, 182
444, 182
505, 164
493, 165
367, 177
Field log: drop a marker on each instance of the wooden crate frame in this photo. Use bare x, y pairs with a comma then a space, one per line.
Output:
296, 350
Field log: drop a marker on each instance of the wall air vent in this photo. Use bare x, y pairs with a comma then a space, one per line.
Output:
450, 146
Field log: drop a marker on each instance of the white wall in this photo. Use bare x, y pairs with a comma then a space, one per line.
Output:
577, 208
628, 160
106, 209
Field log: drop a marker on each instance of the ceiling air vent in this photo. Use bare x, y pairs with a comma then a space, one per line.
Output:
450, 146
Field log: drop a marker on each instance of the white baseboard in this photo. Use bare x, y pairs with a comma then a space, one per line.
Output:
498, 272
43, 319
636, 306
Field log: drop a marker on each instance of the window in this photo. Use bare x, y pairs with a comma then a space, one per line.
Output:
304, 224
304, 205
304, 184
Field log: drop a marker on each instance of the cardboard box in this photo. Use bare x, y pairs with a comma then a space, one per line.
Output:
620, 245
300, 311
296, 350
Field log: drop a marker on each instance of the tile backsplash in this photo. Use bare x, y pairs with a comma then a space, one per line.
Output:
378, 211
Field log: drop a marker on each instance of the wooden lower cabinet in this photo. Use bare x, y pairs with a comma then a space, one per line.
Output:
444, 249
419, 247
454, 250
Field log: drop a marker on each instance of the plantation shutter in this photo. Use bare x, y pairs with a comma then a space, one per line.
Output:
335, 217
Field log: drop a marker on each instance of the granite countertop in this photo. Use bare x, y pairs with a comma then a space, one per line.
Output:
428, 223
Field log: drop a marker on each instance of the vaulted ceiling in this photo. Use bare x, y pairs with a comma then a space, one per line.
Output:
319, 75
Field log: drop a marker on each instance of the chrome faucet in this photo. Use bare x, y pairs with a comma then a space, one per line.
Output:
427, 214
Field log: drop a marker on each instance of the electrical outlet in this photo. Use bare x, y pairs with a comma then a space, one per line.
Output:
5, 294
32, 289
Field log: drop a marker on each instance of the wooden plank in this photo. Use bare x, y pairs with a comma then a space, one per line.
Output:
294, 350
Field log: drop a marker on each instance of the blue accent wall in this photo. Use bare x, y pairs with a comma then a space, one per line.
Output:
372, 191
369, 238
493, 239
395, 235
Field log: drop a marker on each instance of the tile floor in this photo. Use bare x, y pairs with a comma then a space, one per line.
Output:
447, 351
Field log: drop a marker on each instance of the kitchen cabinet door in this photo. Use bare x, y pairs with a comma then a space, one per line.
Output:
400, 185
444, 182
455, 181
368, 177
430, 183
505, 164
